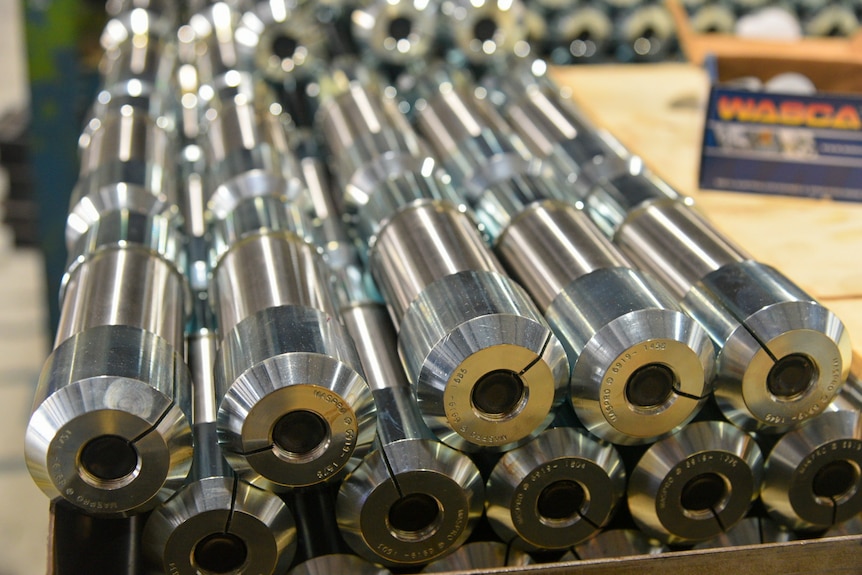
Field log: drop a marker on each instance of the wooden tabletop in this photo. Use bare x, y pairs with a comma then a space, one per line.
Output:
657, 111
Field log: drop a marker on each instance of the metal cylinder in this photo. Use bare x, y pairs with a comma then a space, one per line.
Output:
217, 51
480, 555
217, 523
813, 475
246, 147
337, 563
641, 369
294, 405
459, 318
109, 431
554, 492
281, 40
486, 368
781, 356
645, 33
412, 500
555, 130
395, 32
580, 35
484, 33
712, 19
695, 484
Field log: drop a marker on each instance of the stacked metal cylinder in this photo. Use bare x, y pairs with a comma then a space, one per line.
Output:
446, 325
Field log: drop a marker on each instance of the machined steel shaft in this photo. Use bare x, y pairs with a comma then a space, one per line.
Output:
294, 405
641, 368
781, 355
556, 491
484, 366
695, 484
110, 430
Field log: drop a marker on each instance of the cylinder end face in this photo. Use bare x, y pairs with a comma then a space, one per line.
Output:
395, 32
642, 376
787, 374
108, 445
696, 484
555, 491
337, 563
437, 499
813, 476
496, 394
187, 534
261, 416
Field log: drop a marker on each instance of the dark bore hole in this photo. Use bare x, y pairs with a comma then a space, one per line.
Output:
561, 500
400, 28
414, 512
791, 375
648, 33
299, 431
485, 29
284, 46
834, 479
498, 393
109, 457
703, 492
220, 553
650, 385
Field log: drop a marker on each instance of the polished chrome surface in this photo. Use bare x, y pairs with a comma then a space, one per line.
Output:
695, 484
221, 525
395, 32
671, 240
768, 333
580, 36
337, 563
268, 271
616, 543
750, 531
555, 130
616, 324
284, 360
486, 33
549, 245
217, 523
555, 491
246, 147
119, 383
483, 333
282, 40
413, 499
480, 555
472, 141
217, 51
813, 475
402, 263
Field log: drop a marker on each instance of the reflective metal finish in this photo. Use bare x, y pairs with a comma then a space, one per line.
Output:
749, 531
294, 406
459, 318
283, 41
395, 32
645, 33
480, 555
217, 523
781, 356
485, 33
555, 130
581, 35
695, 484
555, 491
812, 477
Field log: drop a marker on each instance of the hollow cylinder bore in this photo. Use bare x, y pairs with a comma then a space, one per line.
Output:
813, 475
221, 525
555, 491
410, 502
696, 484
397, 32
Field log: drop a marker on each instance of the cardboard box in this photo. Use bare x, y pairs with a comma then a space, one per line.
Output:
779, 143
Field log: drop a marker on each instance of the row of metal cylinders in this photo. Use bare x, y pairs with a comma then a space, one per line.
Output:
473, 340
